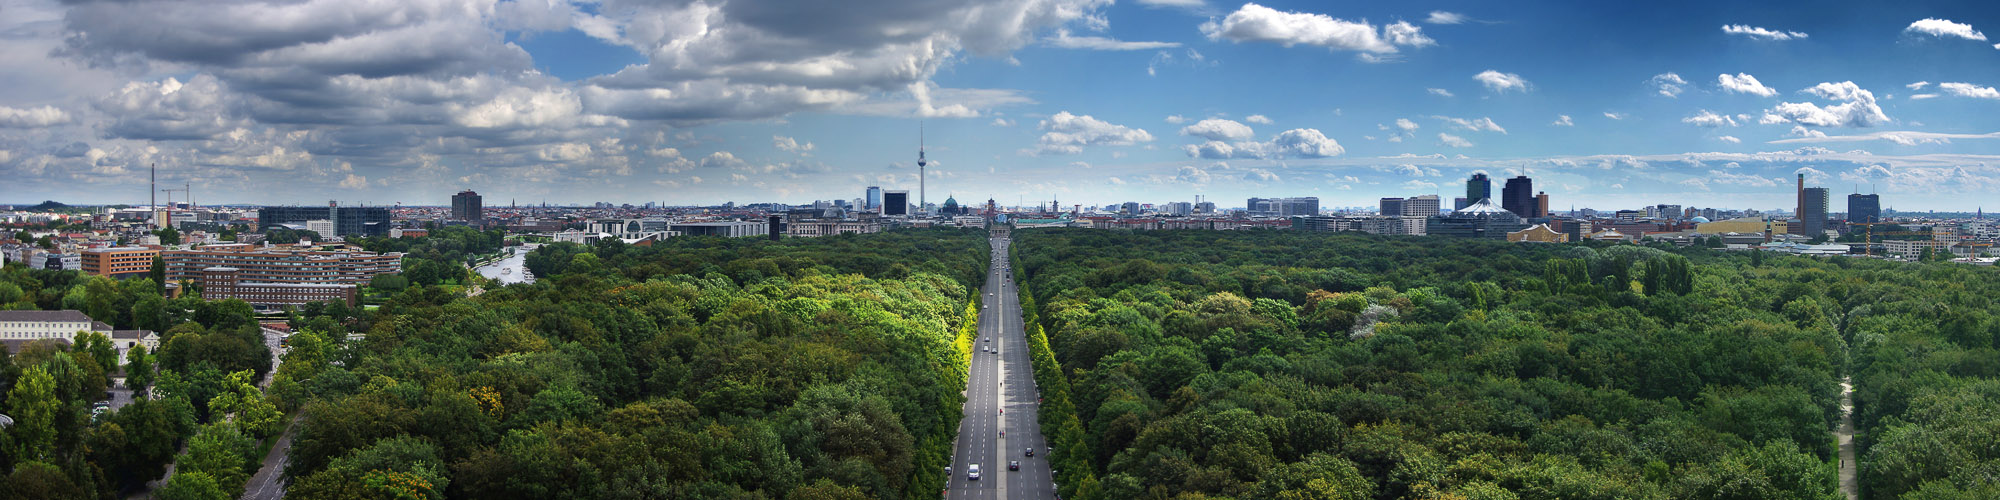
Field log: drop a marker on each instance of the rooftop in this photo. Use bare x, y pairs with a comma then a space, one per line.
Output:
1485, 206
117, 249
47, 316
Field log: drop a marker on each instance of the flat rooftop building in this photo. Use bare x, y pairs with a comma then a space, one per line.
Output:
282, 264
731, 229
118, 262
223, 283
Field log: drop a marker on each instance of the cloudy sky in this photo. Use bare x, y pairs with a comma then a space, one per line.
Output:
1605, 104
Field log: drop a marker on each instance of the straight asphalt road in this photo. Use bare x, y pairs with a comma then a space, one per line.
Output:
1002, 380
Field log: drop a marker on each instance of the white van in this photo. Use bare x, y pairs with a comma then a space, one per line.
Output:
972, 473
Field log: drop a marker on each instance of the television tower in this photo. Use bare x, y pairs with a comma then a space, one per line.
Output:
921, 162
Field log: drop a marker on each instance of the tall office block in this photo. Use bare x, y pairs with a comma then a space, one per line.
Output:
1864, 208
896, 202
347, 221
1391, 206
1815, 211
466, 206
1518, 196
1425, 206
1479, 187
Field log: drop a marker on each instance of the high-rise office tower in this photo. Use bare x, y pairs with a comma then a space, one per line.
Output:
466, 206
1518, 196
1864, 208
1391, 206
1541, 204
1479, 187
1798, 212
1426, 206
1815, 211
874, 198
896, 202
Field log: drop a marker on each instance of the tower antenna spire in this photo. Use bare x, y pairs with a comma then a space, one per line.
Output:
921, 163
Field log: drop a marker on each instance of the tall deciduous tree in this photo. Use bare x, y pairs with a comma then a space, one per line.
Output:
35, 408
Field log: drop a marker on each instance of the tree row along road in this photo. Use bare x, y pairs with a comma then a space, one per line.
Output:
1000, 398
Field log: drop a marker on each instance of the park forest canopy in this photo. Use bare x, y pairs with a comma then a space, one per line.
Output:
692, 368
1175, 365
1276, 364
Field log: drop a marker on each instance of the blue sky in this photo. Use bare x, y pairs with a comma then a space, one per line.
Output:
1605, 104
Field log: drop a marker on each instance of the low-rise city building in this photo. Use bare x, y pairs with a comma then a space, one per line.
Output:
223, 283
282, 264
118, 262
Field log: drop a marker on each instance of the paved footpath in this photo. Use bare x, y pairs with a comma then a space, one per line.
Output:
268, 483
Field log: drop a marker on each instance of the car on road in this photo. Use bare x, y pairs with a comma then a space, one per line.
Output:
1014, 465
972, 473
1031, 452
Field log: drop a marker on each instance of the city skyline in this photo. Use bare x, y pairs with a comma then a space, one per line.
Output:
1608, 106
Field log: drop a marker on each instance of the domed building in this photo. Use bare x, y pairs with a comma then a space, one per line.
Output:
1698, 219
951, 207
1478, 220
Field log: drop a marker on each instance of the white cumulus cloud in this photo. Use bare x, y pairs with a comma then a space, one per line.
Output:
39, 117
1669, 84
1743, 83
1969, 90
1453, 141
1067, 133
1501, 82
1564, 121
1479, 125
1257, 23
1218, 129
1259, 119
1708, 118
1067, 41
790, 145
1943, 28
1442, 17
1306, 143
1857, 108
1760, 33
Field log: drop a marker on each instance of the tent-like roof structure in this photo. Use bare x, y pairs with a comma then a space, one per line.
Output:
1485, 206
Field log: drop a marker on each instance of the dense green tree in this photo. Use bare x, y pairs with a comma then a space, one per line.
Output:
138, 370
221, 452
158, 273
35, 408
40, 480
193, 485
98, 348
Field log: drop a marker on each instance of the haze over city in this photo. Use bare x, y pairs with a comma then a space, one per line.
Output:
1609, 105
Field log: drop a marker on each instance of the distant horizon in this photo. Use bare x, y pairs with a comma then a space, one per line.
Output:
638, 205
1704, 103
